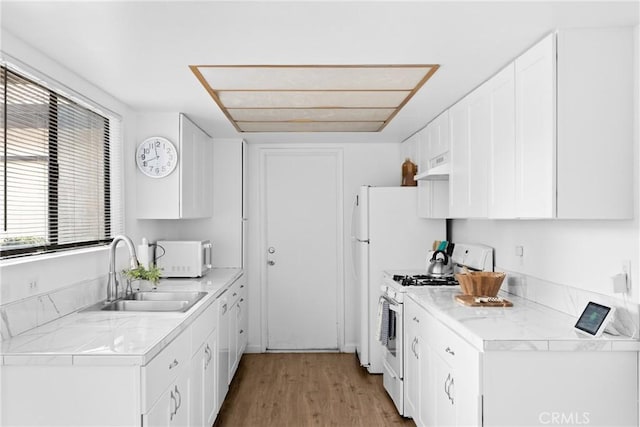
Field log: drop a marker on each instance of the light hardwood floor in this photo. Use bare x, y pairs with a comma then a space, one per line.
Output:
306, 389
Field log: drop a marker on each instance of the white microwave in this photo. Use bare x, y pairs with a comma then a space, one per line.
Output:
183, 258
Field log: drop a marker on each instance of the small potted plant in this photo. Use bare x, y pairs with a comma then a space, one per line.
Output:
146, 278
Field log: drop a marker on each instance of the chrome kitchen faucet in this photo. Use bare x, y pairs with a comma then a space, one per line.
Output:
112, 283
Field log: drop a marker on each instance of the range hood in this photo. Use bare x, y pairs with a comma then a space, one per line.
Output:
438, 170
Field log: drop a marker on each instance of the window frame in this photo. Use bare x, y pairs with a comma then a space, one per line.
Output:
53, 176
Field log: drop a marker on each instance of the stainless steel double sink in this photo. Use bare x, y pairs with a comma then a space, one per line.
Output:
152, 301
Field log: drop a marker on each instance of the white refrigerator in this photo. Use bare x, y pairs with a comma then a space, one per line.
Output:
386, 234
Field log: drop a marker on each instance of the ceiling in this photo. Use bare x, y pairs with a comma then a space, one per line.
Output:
140, 52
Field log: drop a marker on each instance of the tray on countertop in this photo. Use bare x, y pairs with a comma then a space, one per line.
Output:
470, 300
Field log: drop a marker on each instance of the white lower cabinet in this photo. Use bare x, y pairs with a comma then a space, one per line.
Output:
237, 325
412, 313
172, 409
183, 385
203, 386
449, 382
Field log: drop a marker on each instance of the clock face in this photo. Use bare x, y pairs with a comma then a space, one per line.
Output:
156, 157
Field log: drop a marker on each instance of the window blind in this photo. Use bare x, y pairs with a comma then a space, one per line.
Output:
55, 182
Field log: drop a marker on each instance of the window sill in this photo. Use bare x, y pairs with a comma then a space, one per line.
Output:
51, 256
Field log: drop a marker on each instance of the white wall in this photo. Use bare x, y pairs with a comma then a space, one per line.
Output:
364, 164
58, 271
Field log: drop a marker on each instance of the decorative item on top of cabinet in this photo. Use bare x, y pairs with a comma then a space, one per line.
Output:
187, 192
409, 170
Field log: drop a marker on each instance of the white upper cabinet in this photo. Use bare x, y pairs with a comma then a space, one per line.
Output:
574, 126
187, 191
459, 160
479, 141
551, 135
470, 133
196, 171
230, 203
535, 77
433, 152
595, 123
502, 158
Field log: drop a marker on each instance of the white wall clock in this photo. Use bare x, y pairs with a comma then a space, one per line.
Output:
156, 157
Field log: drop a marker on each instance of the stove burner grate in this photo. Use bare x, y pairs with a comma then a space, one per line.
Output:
424, 280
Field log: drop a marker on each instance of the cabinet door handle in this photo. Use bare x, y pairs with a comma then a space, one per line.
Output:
451, 391
173, 364
451, 352
415, 319
241, 330
175, 405
224, 308
416, 349
241, 299
234, 294
207, 352
179, 399
413, 346
446, 386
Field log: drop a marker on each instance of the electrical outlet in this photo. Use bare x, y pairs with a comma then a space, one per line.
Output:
626, 269
519, 251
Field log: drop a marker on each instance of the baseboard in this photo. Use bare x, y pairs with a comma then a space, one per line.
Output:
253, 349
349, 348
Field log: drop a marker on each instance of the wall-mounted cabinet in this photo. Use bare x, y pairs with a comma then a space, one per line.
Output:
574, 126
549, 136
186, 192
470, 135
433, 168
230, 203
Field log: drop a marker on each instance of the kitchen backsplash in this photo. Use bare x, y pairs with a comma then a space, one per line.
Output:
571, 300
25, 314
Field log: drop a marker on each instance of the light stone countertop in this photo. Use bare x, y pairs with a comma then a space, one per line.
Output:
114, 338
527, 326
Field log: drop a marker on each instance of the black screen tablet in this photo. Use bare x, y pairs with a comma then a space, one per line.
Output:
593, 319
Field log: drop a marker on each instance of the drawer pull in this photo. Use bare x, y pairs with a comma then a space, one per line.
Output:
173, 364
451, 352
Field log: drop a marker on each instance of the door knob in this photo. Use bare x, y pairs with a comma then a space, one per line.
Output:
271, 262
271, 250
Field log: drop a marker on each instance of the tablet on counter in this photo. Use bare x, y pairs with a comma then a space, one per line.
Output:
594, 319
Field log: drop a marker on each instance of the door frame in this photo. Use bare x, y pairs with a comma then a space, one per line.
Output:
275, 150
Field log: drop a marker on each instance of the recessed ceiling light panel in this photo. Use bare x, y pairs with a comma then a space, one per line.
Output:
312, 98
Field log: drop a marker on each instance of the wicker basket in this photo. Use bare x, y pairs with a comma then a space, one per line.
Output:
480, 283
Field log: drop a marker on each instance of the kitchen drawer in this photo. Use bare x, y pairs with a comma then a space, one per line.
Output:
414, 315
233, 294
158, 374
446, 343
204, 325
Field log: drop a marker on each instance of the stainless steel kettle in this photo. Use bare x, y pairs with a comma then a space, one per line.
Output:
439, 265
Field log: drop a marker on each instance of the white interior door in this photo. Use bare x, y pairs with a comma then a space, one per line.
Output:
303, 251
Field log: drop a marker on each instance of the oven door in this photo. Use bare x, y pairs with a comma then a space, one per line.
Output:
392, 351
392, 362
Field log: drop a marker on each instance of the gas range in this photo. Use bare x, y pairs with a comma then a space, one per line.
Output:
398, 282
424, 280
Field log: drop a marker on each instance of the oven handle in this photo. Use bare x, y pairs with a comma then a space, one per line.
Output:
393, 304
